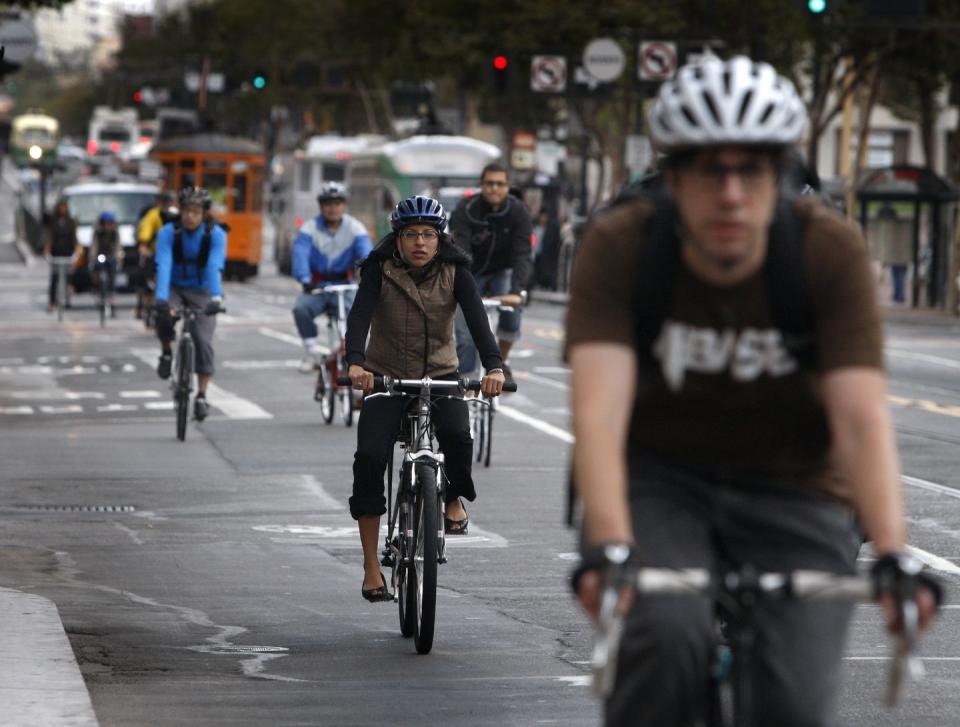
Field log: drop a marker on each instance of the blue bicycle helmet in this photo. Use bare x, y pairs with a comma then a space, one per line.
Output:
418, 211
107, 218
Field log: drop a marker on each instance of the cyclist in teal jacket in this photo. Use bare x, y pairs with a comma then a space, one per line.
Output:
190, 257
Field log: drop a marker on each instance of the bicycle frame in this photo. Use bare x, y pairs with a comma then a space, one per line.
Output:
739, 592
327, 390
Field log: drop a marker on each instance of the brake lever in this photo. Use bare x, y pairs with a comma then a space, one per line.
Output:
607, 642
907, 666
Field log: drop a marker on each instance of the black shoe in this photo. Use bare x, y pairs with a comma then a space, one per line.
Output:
163, 366
376, 595
200, 408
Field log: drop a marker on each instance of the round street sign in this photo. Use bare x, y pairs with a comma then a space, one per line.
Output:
18, 39
657, 60
548, 74
604, 59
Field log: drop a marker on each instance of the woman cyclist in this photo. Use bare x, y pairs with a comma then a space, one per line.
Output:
411, 285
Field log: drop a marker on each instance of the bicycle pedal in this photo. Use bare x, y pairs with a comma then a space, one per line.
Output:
387, 561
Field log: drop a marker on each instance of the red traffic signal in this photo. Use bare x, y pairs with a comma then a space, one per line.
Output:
138, 96
500, 63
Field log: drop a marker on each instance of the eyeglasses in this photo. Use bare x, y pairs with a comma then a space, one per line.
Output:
494, 183
412, 235
713, 175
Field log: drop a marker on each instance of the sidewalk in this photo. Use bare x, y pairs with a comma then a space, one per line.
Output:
40, 682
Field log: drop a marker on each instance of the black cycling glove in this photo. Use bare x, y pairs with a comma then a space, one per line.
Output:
900, 575
612, 558
307, 288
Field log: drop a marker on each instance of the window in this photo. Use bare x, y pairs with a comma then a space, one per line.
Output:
215, 182
885, 148
256, 204
239, 192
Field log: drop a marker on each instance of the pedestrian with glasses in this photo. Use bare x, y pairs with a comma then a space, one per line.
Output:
190, 256
721, 424
495, 229
410, 287
325, 252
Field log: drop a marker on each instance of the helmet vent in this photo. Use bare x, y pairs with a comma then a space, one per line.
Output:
726, 82
708, 101
766, 113
744, 105
691, 119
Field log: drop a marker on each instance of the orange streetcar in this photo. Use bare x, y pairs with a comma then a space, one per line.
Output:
231, 169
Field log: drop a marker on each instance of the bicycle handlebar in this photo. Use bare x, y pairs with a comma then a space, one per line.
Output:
338, 288
800, 584
390, 385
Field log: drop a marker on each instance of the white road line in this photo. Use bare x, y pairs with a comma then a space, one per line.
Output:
159, 405
233, 406
551, 370
542, 380
49, 395
144, 394
117, 407
934, 561
68, 409
16, 410
287, 363
925, 358
315, 487
538, 424
932, 486
888, 658
287, 338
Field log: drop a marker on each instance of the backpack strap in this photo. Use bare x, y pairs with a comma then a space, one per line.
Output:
206, 242
659, 260
788, 291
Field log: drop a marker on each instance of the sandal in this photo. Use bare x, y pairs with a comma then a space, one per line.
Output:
376, 595
456, 527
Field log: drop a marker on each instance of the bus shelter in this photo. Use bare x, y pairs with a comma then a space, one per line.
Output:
928, 203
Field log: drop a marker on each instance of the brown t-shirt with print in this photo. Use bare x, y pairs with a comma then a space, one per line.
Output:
721, 392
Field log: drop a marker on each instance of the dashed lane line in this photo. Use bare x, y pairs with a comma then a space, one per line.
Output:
924, 358
288, 338
538, 424
233, 406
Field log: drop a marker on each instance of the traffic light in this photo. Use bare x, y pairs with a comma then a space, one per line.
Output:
817, 7
259, 80
138, 96
501, 71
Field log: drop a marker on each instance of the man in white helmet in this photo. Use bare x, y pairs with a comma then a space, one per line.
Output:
729, 407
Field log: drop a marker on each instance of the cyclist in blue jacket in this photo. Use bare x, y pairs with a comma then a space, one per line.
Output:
190, 257
325, 251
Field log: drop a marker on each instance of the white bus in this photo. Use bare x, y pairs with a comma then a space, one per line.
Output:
378, 176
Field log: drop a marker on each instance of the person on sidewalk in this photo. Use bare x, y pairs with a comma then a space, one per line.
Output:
61, 242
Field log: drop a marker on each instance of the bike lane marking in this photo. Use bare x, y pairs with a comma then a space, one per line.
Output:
288, 338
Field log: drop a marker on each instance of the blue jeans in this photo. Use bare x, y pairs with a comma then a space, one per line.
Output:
309, 306
899, 275
508, 325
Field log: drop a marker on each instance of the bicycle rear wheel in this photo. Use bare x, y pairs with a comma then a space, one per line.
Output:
182, 393
424, 562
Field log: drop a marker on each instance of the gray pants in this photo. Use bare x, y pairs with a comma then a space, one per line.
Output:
203, 327
681, 519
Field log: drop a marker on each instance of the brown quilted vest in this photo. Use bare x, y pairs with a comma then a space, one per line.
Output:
411, 332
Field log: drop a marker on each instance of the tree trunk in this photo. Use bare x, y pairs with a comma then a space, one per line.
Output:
928, 116
867, 103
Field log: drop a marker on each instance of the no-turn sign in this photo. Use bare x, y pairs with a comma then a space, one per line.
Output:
657, 60
548, 74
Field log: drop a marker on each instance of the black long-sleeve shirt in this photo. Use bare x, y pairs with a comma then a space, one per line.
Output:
465, 292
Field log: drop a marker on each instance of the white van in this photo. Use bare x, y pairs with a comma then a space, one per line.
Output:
113, 132
127, 200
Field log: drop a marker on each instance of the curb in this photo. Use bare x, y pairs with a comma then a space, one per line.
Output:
40, 680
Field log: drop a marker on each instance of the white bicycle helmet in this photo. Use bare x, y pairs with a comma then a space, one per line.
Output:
727, 102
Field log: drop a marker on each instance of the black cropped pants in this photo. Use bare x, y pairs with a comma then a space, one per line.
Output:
377, 430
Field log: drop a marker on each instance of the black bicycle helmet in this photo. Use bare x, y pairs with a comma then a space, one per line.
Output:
195, 197
418, 210
332, 191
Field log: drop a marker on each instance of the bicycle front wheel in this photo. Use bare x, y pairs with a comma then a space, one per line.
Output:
424, 562
182, 395
406, 593
345, 396
325, 393
488, 435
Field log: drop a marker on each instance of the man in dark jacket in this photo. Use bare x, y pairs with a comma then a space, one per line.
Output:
495, 229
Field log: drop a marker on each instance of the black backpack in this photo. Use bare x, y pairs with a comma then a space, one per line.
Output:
205, 242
